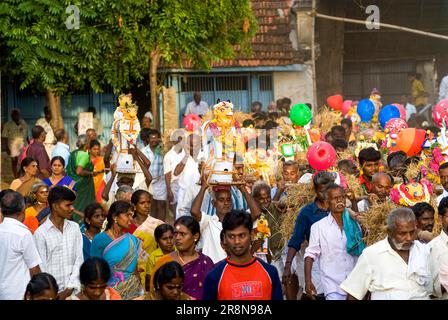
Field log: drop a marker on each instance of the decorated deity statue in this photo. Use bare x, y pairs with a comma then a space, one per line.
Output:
124, 132
222, 141
375, 97
408, 193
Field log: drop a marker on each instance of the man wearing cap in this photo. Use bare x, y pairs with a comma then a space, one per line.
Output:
15, 132
197, 106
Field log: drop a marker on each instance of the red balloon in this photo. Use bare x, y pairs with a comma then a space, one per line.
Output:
321, 155
440, 112
394, 125
401, 109
410, 140
192, 122
335, 102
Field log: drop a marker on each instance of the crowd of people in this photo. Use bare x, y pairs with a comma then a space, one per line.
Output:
73, 227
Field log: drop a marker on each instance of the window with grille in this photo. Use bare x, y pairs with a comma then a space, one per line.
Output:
265, 83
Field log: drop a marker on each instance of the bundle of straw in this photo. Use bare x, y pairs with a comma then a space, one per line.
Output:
241, 116
326, 119
354, 185
374, 221
298, 196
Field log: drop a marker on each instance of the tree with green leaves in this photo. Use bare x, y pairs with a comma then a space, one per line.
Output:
53, 49
117, 42
175, 32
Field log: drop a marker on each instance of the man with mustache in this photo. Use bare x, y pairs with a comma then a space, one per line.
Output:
380, 191
328, 244
395, 268
424, 213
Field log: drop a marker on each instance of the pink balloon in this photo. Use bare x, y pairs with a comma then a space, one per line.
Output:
192, 122
321, 155
440, 112
401, 109
346, 106
394, 125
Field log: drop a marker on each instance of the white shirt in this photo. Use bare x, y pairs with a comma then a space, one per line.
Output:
328, 244
382, 271
199, 109
438, 247
443, 89
171, 159
18, 254
410, 110
210, 237
184, 205
443, 195
61, 252
190, 175
62, 150
50, 138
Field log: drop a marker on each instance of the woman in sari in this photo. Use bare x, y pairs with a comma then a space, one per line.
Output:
38, 196
80, 169
195, 265
121, 250
29, 168
58, 177
98, 166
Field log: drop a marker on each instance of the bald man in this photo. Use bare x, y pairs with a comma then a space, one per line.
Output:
381, 186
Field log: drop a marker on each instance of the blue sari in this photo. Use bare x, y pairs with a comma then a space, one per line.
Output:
66, 181
122, 256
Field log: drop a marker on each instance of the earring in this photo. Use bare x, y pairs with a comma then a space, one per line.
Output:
115, 220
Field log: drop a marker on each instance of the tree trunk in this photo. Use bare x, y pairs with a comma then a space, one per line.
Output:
154, 63
54, 103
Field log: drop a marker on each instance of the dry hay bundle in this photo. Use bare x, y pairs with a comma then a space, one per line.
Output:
375, 221
354, 185
241, 116
437, 224
326, 119
346, 155
413, 170
298, 196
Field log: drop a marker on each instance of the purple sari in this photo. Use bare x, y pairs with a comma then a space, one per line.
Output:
195, 273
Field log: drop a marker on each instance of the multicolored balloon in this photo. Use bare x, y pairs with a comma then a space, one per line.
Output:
395, 125
411, 140
366, 110
386, 113
440, 112
321, 155
335, 102
300, 114
192, 122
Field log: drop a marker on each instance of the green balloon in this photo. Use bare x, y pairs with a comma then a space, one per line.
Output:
300, 114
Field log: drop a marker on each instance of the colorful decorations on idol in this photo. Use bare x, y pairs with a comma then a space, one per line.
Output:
261, 164
124, 133
375, 97
222, 141
410, 192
